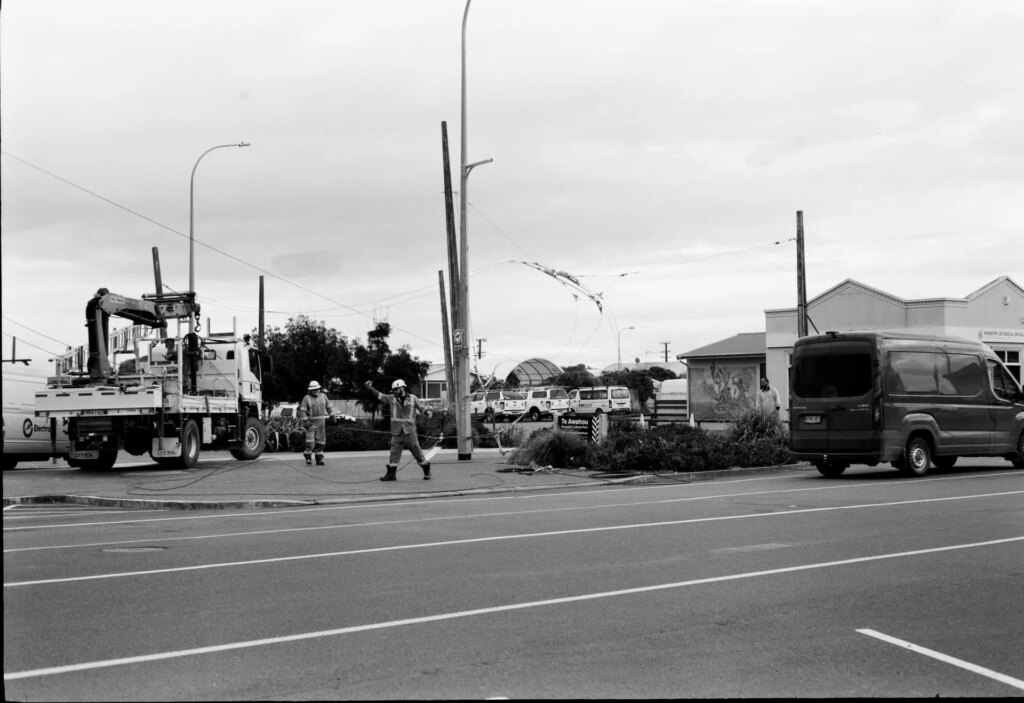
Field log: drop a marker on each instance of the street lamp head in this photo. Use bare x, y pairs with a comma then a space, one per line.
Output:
244, 144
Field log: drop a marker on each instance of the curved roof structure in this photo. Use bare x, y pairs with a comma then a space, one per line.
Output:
532, 372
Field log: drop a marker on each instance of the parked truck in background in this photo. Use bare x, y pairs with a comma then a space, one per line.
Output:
183, 392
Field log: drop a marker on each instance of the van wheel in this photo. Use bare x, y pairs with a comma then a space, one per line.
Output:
944, 462
918, 457
1018, 461
830, 467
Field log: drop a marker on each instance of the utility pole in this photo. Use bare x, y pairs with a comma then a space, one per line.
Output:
801, 278
449, 376
461, 335
665, 344
480, 348
456, 394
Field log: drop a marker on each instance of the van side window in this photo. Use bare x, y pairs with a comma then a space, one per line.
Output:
913, 372
1003, 384
962, 377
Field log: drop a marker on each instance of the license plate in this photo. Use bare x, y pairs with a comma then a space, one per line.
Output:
812, 419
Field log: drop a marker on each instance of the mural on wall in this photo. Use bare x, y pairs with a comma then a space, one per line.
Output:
720, 392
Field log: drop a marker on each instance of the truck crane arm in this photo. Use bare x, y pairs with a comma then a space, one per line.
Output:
152, 311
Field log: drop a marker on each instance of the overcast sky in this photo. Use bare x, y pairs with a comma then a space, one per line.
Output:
655, 150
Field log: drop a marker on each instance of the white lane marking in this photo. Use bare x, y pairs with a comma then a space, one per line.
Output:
1002, 678
50, 671
517, 498
478, 540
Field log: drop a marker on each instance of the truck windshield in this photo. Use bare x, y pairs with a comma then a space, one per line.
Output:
832, 369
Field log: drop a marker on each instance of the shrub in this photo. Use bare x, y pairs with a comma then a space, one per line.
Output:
549, 447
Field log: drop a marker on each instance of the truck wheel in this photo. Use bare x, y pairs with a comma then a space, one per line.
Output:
105, 462
488, 415
190, 445
254, 438
535, 415
918, 457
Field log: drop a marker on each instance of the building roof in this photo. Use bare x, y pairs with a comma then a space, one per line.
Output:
742, 344
532, 372
845, 286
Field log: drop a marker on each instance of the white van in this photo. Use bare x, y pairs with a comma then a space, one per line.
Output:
614, 400
27, 438
497, 405
544, 402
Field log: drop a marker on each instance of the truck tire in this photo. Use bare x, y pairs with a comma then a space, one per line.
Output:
535, 414
191, 443
254, 438
105, 462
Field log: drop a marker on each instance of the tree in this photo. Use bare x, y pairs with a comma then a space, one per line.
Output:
573, 377
376, 362
306, 350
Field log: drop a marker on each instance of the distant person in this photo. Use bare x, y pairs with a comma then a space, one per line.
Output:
768, 397
313, 413
403, 427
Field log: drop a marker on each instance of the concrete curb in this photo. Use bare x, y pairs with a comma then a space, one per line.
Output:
214, 504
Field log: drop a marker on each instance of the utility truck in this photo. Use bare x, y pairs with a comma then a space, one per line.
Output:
177, 394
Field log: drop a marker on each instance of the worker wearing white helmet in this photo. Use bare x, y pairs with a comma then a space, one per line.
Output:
313, 413
403, 406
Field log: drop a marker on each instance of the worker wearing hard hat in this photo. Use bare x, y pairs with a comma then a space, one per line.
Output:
313, 413
403, 426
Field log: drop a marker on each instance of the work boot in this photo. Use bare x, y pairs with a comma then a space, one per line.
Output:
319, 459
309, 458
426, 471
390, 475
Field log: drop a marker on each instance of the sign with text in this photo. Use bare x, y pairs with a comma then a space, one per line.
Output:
593, 428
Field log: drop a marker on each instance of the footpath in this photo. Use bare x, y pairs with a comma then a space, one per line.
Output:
284, 479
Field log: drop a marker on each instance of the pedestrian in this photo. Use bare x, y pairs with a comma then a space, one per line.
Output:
403, 426
768, 397
313, 413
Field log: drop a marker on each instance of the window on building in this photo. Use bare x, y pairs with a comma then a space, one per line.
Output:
1011, 358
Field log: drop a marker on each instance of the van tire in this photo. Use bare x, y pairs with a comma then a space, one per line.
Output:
917, 457
830, 467
1018, 461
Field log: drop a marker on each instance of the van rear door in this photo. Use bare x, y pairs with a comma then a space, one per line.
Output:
832, 387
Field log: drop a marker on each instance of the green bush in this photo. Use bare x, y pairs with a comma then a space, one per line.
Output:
549, 447
665, 448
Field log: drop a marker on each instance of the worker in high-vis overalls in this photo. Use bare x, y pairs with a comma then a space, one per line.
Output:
403, 427
313, 413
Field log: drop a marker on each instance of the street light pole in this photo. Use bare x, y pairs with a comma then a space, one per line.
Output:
618, 365
462, 424
191, 217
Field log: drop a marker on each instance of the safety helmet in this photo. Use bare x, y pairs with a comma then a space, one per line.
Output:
313, 386
398, 384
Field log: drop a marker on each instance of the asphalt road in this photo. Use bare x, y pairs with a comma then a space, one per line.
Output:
788, 585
